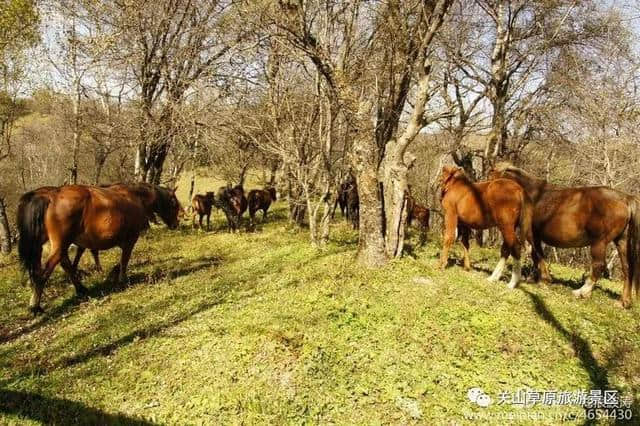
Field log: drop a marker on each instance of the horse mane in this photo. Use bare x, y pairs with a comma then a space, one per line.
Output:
506, 166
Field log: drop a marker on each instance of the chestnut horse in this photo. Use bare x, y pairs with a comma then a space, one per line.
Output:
583, 216
498, 202
90, 217
202, 207
233, 203
420, 214
260, 199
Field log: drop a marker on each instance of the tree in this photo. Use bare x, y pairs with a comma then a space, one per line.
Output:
18, 31
393, 39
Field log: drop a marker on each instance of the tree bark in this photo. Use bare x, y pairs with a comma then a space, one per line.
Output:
5, 231
371, 247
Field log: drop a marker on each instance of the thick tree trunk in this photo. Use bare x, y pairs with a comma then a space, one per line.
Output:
5, 231
371, 247
394, 174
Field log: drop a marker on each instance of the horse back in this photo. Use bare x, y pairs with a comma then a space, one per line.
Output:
576, 217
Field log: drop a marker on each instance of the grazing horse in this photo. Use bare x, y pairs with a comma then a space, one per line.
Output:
202, 207
90, 217
420, 214
260, 199
583, 216
498, 202
233, 203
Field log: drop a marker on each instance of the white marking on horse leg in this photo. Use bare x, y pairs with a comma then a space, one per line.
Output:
585, 290
515, 274
497, 273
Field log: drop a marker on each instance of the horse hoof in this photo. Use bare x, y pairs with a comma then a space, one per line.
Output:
36, 310
578, 294
623, 304
492, 279
512, 286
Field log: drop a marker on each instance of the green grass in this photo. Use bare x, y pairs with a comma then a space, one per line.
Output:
261, 328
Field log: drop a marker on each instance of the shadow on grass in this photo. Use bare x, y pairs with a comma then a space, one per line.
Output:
51, 410
598, 375
108, 287
577, 283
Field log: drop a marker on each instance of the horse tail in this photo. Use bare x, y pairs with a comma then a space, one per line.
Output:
633, 245
31, 210
526, 219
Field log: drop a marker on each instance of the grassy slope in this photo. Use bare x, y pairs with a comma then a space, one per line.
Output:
261, 328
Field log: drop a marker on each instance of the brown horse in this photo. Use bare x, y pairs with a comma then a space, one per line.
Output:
233, 203
420, 214
498, 202
202, 207
579, 217
90, 217
260, 199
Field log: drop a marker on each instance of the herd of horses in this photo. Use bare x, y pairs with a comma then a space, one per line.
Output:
522, 207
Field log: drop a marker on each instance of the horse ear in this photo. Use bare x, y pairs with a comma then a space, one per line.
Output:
174, 189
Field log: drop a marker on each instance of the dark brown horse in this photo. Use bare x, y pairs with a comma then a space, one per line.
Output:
498, 202
202, 205
418, 213
353, 204
341, 200
90, 217
260, 199
579, 217
233, 203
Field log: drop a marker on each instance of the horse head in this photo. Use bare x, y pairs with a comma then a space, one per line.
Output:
167, 206
450, 173
272, 193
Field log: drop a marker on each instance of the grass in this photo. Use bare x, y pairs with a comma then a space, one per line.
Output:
261, 328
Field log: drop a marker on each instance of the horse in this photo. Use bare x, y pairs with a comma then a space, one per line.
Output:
353, 204
497, 202
260, 199
90, 217
233, 203
341, 200
420, 214
591, 216
202, 207
142, 190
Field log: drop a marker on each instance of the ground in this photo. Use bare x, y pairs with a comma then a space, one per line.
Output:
261, 328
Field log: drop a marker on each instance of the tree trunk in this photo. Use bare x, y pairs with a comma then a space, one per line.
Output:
76, 132
394, 175
371, 248
5, 231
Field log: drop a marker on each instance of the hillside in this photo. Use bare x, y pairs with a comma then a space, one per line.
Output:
261, 328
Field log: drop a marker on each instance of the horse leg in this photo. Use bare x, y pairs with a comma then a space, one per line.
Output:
497, 272
540, 268
66, 264
464, 238
96, 258
621, 245
37, 283
200, 220
515, 251
598, 253
450, 225
423, 235
76, 259
124, 259
208, 222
